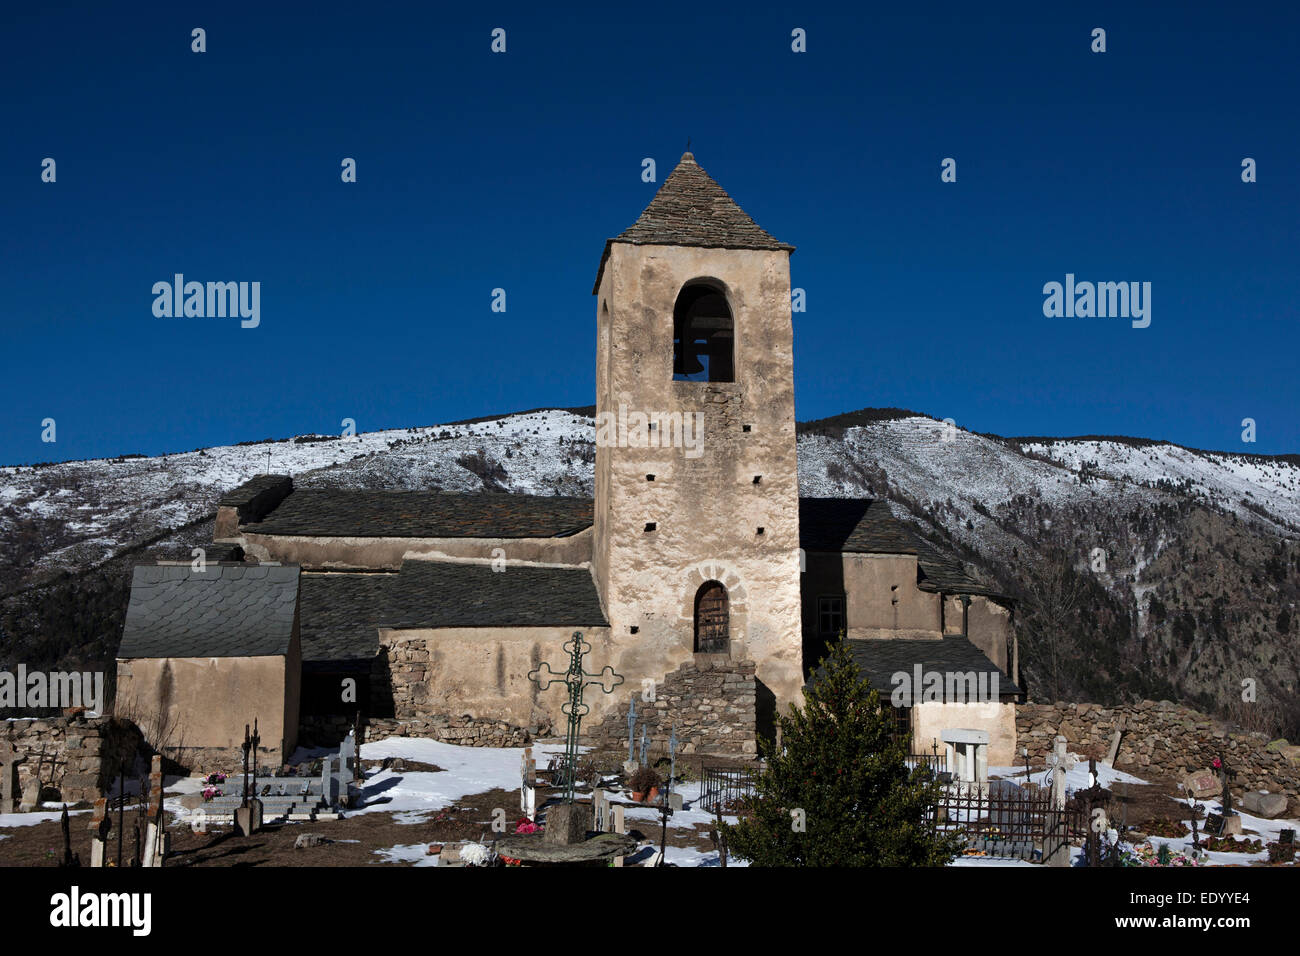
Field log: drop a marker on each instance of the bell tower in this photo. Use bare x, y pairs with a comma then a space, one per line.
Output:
696, 537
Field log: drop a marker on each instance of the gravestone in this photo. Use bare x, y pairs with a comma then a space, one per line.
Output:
567, 823
620, 826
1264, 804
31, 799
1115, 738
248, 818
9, 788
1203, 784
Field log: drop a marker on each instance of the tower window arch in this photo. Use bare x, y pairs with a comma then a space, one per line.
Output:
703, 335
712, 619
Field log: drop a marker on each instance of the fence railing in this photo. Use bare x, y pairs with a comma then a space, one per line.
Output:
1006, 822
722, 788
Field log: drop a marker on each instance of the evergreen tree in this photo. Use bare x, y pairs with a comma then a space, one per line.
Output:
841, 764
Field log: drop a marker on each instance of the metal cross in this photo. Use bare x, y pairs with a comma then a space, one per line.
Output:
631, 730
577, 679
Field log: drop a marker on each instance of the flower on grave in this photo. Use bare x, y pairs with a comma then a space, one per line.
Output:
211, 792
511, 861
1216, 763
474, 854
524, 825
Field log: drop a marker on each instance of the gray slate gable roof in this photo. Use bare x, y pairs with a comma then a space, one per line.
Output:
868, 526
691, 209
227, 610
339, 512
342, 613
880, 659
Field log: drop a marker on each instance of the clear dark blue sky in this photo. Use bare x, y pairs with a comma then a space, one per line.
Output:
478, 171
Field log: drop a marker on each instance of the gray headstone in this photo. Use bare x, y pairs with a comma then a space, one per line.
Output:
9, 789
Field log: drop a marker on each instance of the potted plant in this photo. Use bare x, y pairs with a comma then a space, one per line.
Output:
644, 784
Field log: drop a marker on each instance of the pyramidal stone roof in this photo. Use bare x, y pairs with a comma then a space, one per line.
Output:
691, 209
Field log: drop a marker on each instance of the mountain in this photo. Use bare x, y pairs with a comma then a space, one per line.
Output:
1140, 567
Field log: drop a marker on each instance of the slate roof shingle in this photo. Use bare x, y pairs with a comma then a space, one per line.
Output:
691, 209
226, 610
342, 613
863, 525
336, 512
880, 659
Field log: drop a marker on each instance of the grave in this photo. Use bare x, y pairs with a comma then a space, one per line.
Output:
1203, 784
968, 756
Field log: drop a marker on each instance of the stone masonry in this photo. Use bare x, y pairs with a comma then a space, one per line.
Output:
713, 701
79, 756
1162, 739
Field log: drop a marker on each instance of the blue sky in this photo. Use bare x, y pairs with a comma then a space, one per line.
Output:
478, 171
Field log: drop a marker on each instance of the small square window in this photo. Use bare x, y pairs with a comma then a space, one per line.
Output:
830, 615
760, 531
650, 526
745, 428
649, 477
758, 479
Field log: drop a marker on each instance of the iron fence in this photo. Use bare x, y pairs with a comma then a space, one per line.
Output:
722, 788
1012, 823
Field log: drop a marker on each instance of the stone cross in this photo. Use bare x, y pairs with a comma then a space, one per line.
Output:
1056, 848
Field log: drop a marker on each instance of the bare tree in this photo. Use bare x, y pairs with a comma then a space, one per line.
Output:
1051, 604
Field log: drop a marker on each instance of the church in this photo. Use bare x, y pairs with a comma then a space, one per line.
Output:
697, 572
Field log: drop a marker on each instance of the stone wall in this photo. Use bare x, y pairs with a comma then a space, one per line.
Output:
1162, 739
712, 699
327, 731
79, 756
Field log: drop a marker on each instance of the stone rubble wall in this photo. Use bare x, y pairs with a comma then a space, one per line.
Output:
713, 701
327, 731
79, 756
1162, 739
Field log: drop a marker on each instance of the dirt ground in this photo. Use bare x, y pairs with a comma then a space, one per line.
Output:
355, 839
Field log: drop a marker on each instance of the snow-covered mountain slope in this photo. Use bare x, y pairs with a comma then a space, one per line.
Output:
1200, 566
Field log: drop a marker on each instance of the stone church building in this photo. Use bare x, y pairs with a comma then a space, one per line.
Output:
697, 572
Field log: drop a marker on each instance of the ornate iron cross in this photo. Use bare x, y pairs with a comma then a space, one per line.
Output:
574, 708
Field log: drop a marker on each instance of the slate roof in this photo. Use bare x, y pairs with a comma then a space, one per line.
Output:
249, 490
691, 209
868, 526
852, 524
227, 610
337, 512
879, 660
341, 613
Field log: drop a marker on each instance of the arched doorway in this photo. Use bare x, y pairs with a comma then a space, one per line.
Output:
712, 619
